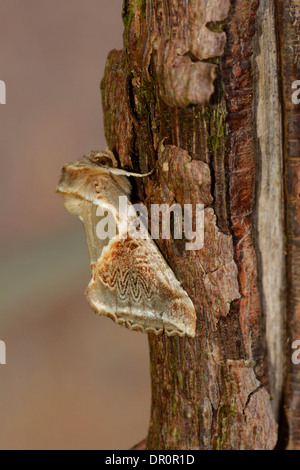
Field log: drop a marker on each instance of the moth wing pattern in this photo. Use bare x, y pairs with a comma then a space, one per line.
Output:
131, 281
133, 285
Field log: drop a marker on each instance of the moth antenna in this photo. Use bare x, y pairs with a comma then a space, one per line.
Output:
120, 171
141, 175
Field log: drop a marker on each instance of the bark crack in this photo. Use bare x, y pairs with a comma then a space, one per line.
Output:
250, 396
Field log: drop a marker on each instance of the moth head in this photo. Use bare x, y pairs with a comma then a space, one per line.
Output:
94, 178
102, 159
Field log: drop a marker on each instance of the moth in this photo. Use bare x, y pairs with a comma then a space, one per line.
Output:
131, 281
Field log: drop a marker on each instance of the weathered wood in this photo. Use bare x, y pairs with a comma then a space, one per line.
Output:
270, 229
288, 25
209, 392
241, 169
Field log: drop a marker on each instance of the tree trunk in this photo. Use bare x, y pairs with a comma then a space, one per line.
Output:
187, 97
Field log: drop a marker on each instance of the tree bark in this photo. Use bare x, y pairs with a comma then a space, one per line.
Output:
288, 21
164, 110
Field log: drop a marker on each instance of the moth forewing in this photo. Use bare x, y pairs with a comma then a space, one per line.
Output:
131, 281
90, 220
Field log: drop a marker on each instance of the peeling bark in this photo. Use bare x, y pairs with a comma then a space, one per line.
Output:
209, 392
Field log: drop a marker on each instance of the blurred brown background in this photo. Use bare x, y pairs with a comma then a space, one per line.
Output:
72, 380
